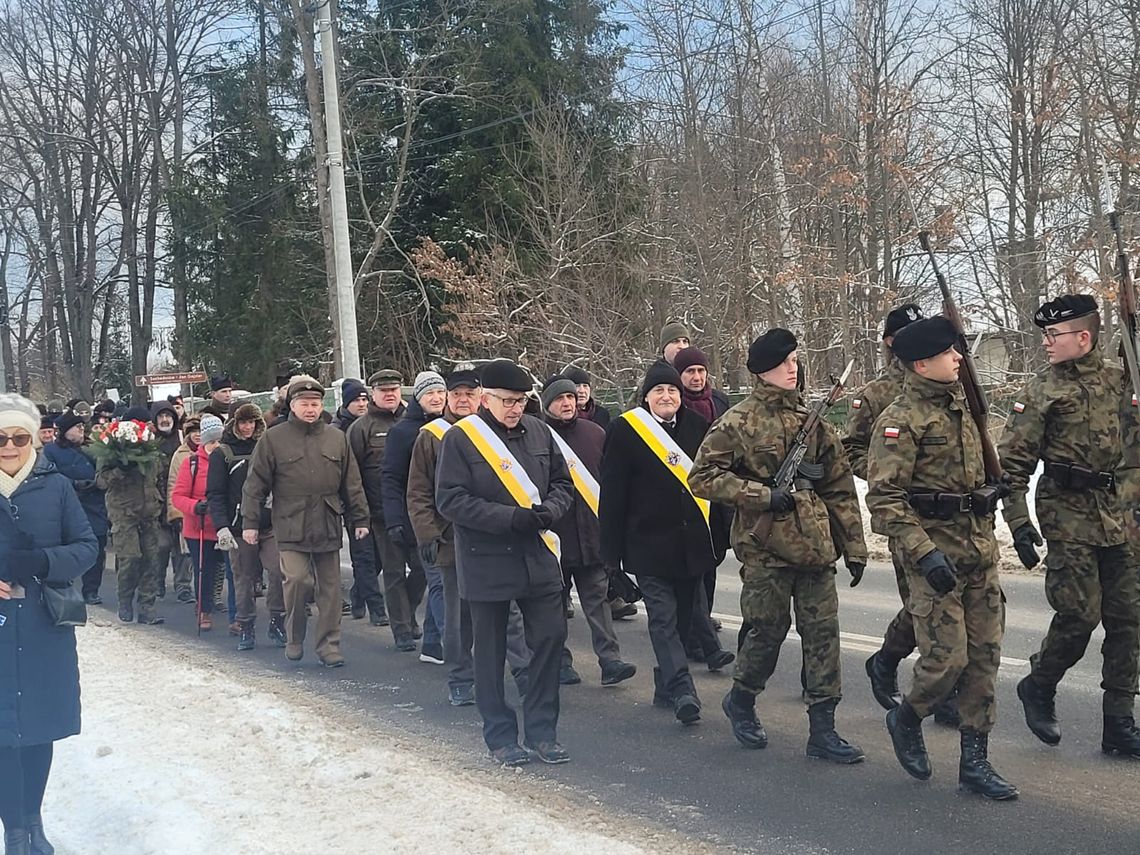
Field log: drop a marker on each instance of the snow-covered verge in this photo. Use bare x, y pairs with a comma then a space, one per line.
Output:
877, 544
187, 755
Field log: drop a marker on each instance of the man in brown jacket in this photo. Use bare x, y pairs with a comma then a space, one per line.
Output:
308, 469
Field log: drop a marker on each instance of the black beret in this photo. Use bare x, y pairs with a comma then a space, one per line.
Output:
577, 376
659, 373
1067, 307
900, 316
220, 381
463, 377
924, 339
770, 350
504, 374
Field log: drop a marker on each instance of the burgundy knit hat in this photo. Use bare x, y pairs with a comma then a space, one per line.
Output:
689, 357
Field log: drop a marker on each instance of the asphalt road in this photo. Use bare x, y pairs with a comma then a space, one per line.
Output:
633, 759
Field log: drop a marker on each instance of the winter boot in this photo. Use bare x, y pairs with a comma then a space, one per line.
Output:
1120, 736
1040, 710
824, 743
126, 612
740, 707
39, 844
16, 842
246, 640
975, 774
277, 630
884, 680
946, 713
905, 728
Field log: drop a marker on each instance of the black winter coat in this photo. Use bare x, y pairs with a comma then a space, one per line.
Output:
39, 670
394, 470
229, 464
596, 413
649, 522
494, 563
579, 530
368, 439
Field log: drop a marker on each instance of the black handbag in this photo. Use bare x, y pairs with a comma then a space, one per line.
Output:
63, 602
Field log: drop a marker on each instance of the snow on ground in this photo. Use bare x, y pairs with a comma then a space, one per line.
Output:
877, 544
183, 753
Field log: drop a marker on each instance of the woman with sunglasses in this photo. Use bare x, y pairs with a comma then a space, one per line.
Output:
44, 537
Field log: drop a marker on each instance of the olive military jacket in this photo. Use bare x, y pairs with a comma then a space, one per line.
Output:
866, 407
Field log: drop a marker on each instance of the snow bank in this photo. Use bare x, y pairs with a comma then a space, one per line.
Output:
877, 544
187, 755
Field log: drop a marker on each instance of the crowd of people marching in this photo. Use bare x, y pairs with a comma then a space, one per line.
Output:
472, 509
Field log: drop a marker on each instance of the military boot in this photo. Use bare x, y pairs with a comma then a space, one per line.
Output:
277, 630
905, 728
975, 774
1040, 710
740, 707
884, 680
16, 842
38, 843
1120, 736
246, 640
824, 743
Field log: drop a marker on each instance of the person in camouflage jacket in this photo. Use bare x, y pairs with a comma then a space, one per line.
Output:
812, 525
1070, 418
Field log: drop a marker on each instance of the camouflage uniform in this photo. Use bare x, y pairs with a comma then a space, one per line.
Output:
866, 407
1072, 415
926, 442
135, 507
742, 452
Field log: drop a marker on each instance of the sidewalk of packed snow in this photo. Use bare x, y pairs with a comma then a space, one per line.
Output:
184, 752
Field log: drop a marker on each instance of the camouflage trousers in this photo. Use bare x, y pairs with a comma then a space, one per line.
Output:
140, 557
766, 602
1088, 585
898, 640
959, 643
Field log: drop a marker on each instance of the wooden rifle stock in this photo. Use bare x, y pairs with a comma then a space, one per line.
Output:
1126, 306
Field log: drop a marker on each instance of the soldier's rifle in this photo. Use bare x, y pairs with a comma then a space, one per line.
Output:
785, 476
1126, 307
968, 371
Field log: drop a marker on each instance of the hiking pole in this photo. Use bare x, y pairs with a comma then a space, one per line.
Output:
201, 566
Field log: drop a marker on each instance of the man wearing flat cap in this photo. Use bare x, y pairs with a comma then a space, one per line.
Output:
1071, 418
927, 493
307, 466
403, 591
503, 483
814, 520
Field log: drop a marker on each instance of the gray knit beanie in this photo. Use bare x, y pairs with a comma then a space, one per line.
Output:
425, 382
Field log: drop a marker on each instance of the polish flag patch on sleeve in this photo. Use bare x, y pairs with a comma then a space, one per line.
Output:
1134, 401
1018, 407
858, 402
891, 432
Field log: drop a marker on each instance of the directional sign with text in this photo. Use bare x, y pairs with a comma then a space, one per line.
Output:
165, 379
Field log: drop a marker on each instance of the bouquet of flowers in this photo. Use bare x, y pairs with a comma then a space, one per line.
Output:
124, 444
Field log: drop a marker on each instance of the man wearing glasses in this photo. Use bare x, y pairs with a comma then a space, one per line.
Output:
503, 483
1070, 419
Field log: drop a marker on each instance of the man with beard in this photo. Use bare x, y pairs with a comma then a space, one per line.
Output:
165, 420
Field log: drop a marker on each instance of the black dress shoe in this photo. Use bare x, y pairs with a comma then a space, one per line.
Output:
550, 752
92, 599
719, 659
617, 671
687, 709
511, 756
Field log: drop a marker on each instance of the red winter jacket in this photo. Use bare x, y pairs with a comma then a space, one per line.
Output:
189, 489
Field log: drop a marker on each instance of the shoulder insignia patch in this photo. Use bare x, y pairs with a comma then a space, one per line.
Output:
857, 403
1134, 401
891, 432
1018, 407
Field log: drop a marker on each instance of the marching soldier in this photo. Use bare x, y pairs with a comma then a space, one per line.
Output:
735, 465
928, 494
866, 406
1069, 419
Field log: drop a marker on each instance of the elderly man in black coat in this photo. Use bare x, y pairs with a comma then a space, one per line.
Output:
503, 483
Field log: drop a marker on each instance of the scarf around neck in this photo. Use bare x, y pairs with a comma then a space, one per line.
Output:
10, 483
700, 402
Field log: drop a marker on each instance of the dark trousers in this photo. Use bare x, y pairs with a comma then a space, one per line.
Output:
365, 591
93, 578
669, 606
404, 580
592, 584
205, 557
544, 626
457, 633
23, 778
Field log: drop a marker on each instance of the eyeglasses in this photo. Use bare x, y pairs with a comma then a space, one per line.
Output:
509, 403
1051, 336
19, 440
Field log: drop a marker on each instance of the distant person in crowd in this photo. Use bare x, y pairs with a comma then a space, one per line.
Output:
221, 393
588, 407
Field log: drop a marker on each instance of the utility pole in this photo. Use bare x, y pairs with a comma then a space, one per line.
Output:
342, 253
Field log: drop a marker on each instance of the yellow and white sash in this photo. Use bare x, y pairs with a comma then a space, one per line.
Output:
509, 470
437, 427
665, 449
585, 483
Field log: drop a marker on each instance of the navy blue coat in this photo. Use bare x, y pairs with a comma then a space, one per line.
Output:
397, 462
39, 671
71, 461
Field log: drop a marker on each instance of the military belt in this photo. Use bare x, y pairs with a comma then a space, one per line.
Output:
1073, 476
944, 506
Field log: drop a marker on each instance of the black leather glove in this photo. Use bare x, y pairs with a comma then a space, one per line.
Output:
429, 552
27, 564
1005, 486
856, 570
544, 514
938, 569
397, 535
526, 521
1024, 539
781, 501
201, 507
